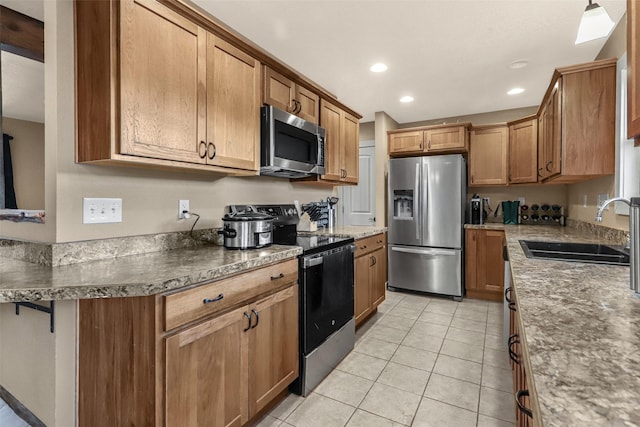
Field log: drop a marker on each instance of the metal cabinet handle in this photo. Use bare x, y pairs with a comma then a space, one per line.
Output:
208, 300
279, 276
429, 144
472, 179
248, 316
299, 106
548, 164
521, 407
512, 306
539, 174
211, 150
202, 153
507, 292
257, 318
515, 357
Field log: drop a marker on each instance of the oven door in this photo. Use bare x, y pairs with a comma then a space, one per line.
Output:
326, 294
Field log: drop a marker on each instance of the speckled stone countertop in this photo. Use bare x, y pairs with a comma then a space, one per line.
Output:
582, 329
485, 226
134, 275
349, 231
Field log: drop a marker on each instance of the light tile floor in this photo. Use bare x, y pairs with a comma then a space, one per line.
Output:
420, 361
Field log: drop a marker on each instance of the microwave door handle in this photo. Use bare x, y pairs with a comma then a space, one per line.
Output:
416, 204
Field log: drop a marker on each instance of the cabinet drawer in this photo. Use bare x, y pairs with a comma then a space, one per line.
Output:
185, 306
370, 244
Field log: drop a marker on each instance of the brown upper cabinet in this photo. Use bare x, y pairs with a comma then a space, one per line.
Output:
633, 70
523, 150
576, 124
285, 94
163, 91
429, 140
342, 146
488, 155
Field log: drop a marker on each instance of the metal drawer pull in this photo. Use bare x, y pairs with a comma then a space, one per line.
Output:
208, 300
279, 276
521, 407
248, 316
257, 318
513, 340
512, 306
507, 292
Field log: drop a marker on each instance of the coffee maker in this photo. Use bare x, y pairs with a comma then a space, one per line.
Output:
477, 215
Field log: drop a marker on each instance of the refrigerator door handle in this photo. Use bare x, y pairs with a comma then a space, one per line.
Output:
445, 252
416, 205
424, 221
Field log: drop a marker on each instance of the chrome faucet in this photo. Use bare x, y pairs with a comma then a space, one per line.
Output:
634, 236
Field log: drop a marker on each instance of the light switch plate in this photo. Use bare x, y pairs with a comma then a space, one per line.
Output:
101, 211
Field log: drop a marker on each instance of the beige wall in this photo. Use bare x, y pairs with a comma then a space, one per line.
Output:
614, 48
27, 155
480, 118
367, 131
383, 123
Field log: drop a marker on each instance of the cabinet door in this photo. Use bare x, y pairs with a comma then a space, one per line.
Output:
162, 83
273, 347
471, 259
233, 106
406, 142
378, 276
633, 70
488, 156
362, 287
206, 373
350, 147
279, 91
490, 267
330, 118
446, 139
308, 105
552, 140
523, 152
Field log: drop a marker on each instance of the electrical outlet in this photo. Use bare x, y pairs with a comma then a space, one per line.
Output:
183, 205
101, 211
487, 200
584, 201
522, 201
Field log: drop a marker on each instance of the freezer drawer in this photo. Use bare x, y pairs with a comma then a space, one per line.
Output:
434, 270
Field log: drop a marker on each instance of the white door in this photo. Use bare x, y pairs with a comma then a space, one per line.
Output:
358, 202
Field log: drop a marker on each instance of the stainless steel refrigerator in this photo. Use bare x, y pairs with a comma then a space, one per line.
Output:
426, 212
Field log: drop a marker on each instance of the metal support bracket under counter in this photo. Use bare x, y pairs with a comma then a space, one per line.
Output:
49, 310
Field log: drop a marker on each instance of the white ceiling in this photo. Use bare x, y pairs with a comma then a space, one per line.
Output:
452, 56
22, 78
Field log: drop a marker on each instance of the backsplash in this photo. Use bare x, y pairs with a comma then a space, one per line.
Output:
621, 237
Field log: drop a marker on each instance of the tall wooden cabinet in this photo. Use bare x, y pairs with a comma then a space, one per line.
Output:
484, 266
488, 155
370, 275
523, 151
215, 354
633, 70
577, 123
285, 94
162, 91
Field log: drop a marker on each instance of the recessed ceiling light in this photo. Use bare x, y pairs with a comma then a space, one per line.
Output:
378, 67
515, 91
406, 99
520, 63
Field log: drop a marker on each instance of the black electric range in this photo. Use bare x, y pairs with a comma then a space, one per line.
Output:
326, 296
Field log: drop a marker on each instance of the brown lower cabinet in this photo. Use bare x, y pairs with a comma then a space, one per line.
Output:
524, 394
484, 264
370, 275
220, 369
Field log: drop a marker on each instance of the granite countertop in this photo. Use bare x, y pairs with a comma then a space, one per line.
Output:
582, 329
357, 232
485, 226
133, 275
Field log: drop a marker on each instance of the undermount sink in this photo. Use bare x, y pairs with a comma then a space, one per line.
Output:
576, 252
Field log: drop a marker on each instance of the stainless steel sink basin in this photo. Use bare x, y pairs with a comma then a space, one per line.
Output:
576, 252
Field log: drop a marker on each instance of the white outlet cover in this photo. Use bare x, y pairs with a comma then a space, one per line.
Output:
183, 205
101, 210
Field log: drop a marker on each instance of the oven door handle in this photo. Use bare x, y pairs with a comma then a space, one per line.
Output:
312, 262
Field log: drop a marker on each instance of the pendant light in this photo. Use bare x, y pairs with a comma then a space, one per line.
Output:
595, 23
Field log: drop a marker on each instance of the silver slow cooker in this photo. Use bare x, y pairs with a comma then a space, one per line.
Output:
247, 230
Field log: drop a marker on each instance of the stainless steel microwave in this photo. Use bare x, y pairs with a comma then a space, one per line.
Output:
291, 147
